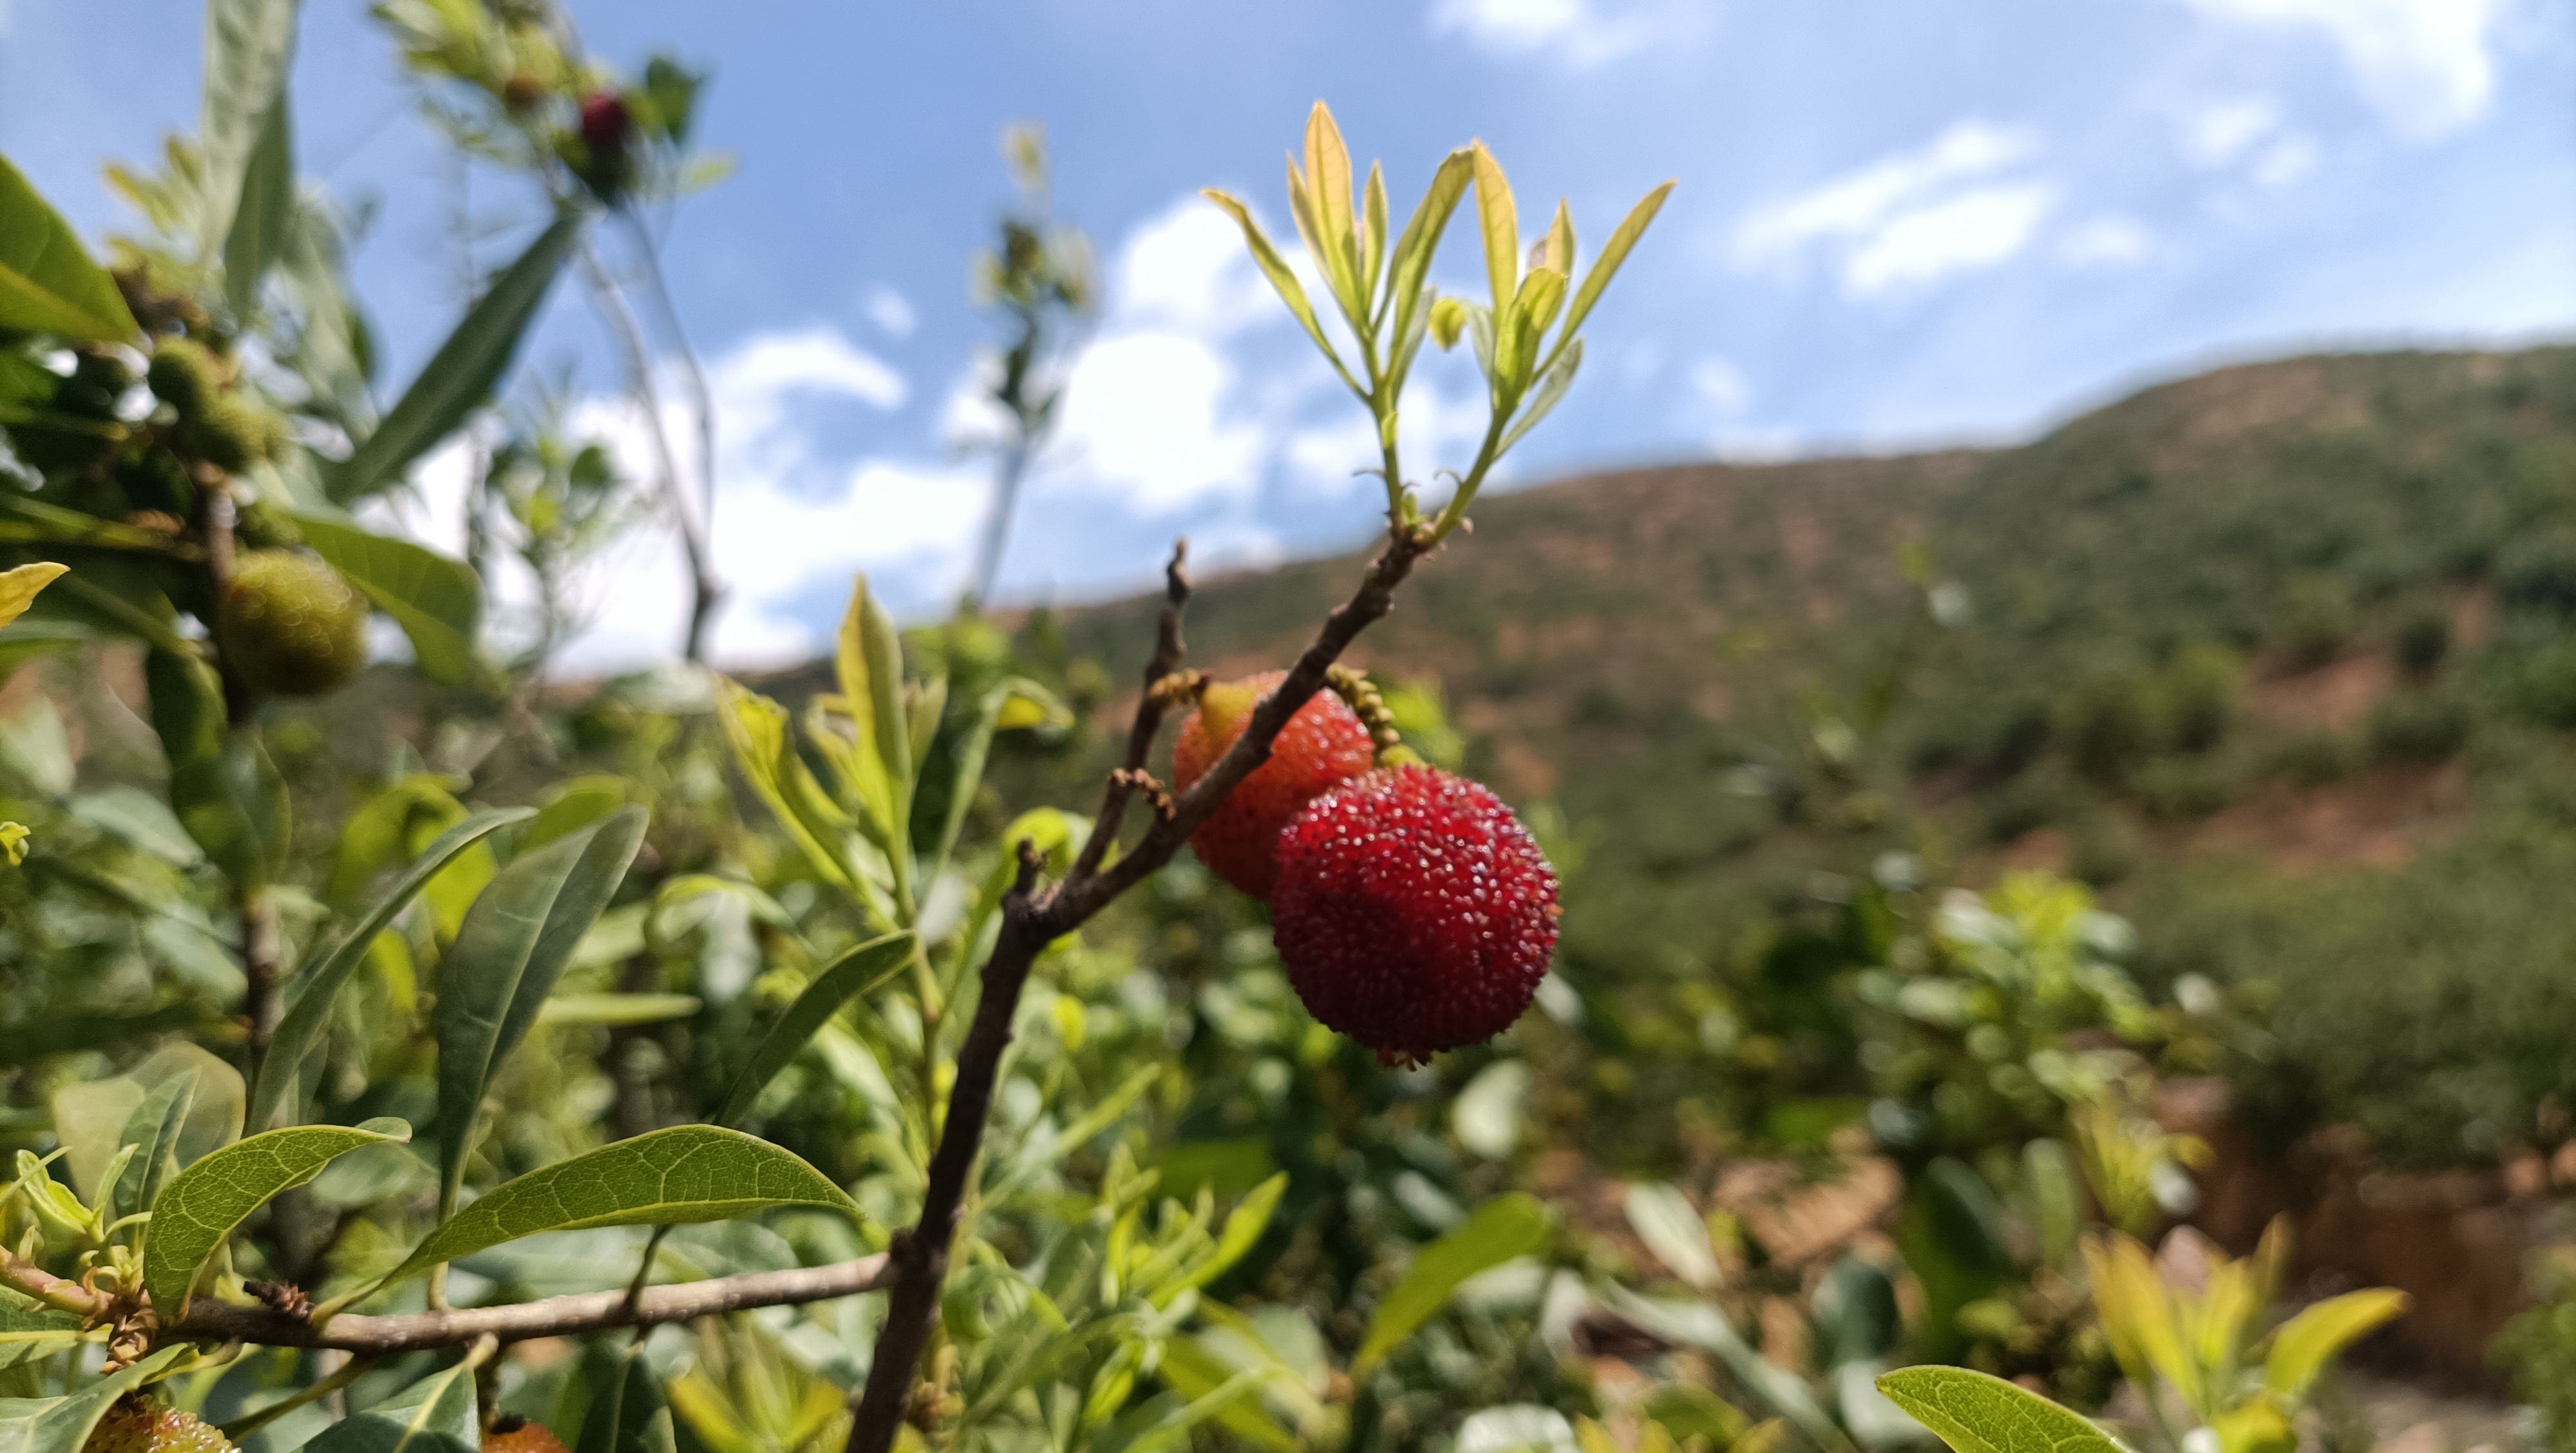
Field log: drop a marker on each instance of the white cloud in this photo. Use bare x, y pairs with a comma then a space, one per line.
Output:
1721, 385
891, 311
2220, 132
2106, 242
2426, 65
1147, 420
1574, 31
1910, 219
2285, 161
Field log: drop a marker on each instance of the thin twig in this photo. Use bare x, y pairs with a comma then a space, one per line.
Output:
212, 1321
1034, 916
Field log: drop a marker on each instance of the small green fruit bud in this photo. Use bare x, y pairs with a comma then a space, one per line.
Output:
230, 433
290, 625
263, 526
1448, 320
185, 376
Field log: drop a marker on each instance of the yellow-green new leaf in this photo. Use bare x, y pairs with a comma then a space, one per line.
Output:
1282, 280
869, 658
1615, 252
755, 727
1502, 1228
1328, 179
684, 1174
18, 587
1411, 262
203, 1203
1373, 214
1558, 251
1500, 224
851, 976
1975, 1413
2303, 1345
47, 282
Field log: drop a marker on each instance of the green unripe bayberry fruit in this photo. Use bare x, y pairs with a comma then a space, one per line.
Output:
263, 526
185, 376
230, 433
140, 1425
290, 625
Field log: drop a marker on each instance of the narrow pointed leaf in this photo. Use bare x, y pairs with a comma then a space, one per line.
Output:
308, 1007
1975, 1413
939, 812
684, 1174
1544, 398
250, 47
437, 601
512, 947
1285, 282
207, 1200
1502, 1228
464, 370
1559, 252
1373, 217
755, 727
1613, 253
1499, 224
266, 211
1328, 176
434, 1415
2307, 1342
869, 658
47, 282
852, 975
1411, 262
19, 587
630, 1414
153, 1130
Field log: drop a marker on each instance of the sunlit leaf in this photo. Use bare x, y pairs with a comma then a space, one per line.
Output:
682, 1174
1975, 1413
1498, 223
2303, 1345
1674, 1230
47, 282
1613, 253
1285, 282
438, 602
207, 1200
18, 588
852, 975
1502, 1228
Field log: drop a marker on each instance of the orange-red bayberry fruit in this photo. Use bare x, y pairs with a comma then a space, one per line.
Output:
1324, 745
511, 1433
1414, 912
605, 123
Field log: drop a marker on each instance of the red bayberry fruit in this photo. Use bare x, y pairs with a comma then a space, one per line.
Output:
1323, 745
605, 124
511, 1433
1414, 912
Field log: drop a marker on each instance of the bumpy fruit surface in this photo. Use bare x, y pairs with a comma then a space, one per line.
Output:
511, 1433
230, 433
1324, 745
290, 625
184, 375
140, 1425
1413, 911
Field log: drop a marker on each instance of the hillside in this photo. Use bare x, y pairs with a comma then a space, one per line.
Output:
2277, 656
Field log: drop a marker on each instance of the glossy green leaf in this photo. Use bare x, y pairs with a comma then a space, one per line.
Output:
683, 1174
437, 1414
854, 974
1975, 1413
250, 48
575, 805
1613, 253
47, 282
2303, 1345
512, 947
63, 1424
1502, 1228
153, 1130
91, 1116
266, 210
308, 1006
29, 1331
1282, 280
438, 602
208, 1199
464, 370
617, 1009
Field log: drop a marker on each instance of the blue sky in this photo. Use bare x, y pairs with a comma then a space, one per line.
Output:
1899, 221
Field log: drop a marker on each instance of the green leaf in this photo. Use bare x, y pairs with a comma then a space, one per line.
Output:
464, 371
755, 727
1615, 252
1498, 222
18, 588
1016, 703
629, 1414
1413, 251
234, 803
1975, 1413
2307, 1342
153, 1130
1285, 282
854, 974
512, 947
1502, 1228
1673, 1230
1544, 399
250, 47
308, 1008
438, 602
208, 1199
2048, 1178
47, 282
266, 211
869, 659
29, 1332
1488, 1114
1241, 1232
576, 804
434, 1415
684, 1174
63, 1424
616, 1009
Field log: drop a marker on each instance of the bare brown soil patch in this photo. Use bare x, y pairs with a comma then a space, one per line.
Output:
2337, 696
2379, 819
